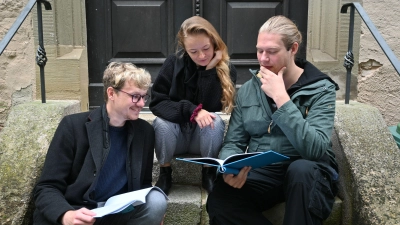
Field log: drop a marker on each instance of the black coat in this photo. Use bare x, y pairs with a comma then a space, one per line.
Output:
75, 157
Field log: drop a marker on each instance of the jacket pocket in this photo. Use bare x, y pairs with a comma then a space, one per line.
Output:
254, 120
253, 147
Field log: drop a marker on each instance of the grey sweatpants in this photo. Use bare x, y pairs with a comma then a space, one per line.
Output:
174, 139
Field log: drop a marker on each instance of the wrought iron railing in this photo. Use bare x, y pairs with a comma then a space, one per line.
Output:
348, 59
41, 58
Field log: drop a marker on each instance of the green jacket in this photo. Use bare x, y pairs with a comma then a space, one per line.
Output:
301, 128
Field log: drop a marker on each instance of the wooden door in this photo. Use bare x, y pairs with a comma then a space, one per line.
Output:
143, 32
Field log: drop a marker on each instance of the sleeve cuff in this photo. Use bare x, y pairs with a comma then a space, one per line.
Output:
195, 112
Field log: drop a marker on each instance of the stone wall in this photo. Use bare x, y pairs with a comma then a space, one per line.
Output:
369, 169
23, 146
17, 63
378, 81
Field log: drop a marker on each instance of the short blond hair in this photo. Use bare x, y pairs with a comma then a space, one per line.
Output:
118, 73
285, 27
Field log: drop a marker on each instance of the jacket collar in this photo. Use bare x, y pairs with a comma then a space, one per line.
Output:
97, 131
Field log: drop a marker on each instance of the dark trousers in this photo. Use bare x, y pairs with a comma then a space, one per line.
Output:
308, 187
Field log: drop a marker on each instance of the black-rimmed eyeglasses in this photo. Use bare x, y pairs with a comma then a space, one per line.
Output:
136, 97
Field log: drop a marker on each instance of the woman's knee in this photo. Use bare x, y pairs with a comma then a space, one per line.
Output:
219, 127
161, 124
165, 130
218, 121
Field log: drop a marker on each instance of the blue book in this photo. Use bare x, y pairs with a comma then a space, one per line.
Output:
234, 163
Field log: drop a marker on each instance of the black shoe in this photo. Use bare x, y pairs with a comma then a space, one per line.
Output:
165, 179
208, 177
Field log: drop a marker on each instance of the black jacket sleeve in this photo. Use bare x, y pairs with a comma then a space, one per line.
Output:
209, 93
161, 105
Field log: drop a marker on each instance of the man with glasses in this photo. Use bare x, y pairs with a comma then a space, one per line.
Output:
98, 154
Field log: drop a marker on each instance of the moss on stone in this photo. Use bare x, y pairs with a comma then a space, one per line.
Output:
23, 145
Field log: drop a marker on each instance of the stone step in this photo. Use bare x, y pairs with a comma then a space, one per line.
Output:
276, 213
186, 205
182, 172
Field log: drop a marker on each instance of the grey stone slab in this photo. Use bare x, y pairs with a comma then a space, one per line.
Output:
275, 214
184, 205
369, 160
182, 172
23, 146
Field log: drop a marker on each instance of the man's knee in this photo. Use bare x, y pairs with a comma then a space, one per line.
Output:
314, 182
300, 171
210, 204
157, 201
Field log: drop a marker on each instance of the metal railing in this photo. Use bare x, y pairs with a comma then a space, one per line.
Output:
349, 59
41, 58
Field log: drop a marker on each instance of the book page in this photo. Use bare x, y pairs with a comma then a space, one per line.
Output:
139, 195
102, 211
120, 202
237, 157
258, 160
205, 161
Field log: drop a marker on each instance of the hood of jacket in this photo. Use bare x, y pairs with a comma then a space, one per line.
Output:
310, 75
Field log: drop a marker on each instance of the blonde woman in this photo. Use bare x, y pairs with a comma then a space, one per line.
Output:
194, 83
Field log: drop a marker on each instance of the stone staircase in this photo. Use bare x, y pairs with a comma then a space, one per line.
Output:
187, 199
186, 205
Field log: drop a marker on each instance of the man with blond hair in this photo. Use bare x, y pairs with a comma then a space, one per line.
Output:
287, 106
101, 153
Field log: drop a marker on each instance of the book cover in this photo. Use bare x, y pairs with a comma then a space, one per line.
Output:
124, 202
234, 163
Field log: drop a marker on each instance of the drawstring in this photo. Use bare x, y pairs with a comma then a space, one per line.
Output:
269, 127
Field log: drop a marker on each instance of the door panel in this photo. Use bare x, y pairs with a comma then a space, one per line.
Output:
243, 22
134, 38
143, 32
241, 25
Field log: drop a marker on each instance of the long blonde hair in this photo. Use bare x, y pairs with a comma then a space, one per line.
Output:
198, 25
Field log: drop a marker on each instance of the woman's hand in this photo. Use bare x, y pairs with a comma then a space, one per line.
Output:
239, 180
214, 61
204, 118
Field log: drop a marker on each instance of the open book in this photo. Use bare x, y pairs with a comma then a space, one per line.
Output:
124, 202
234, 163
